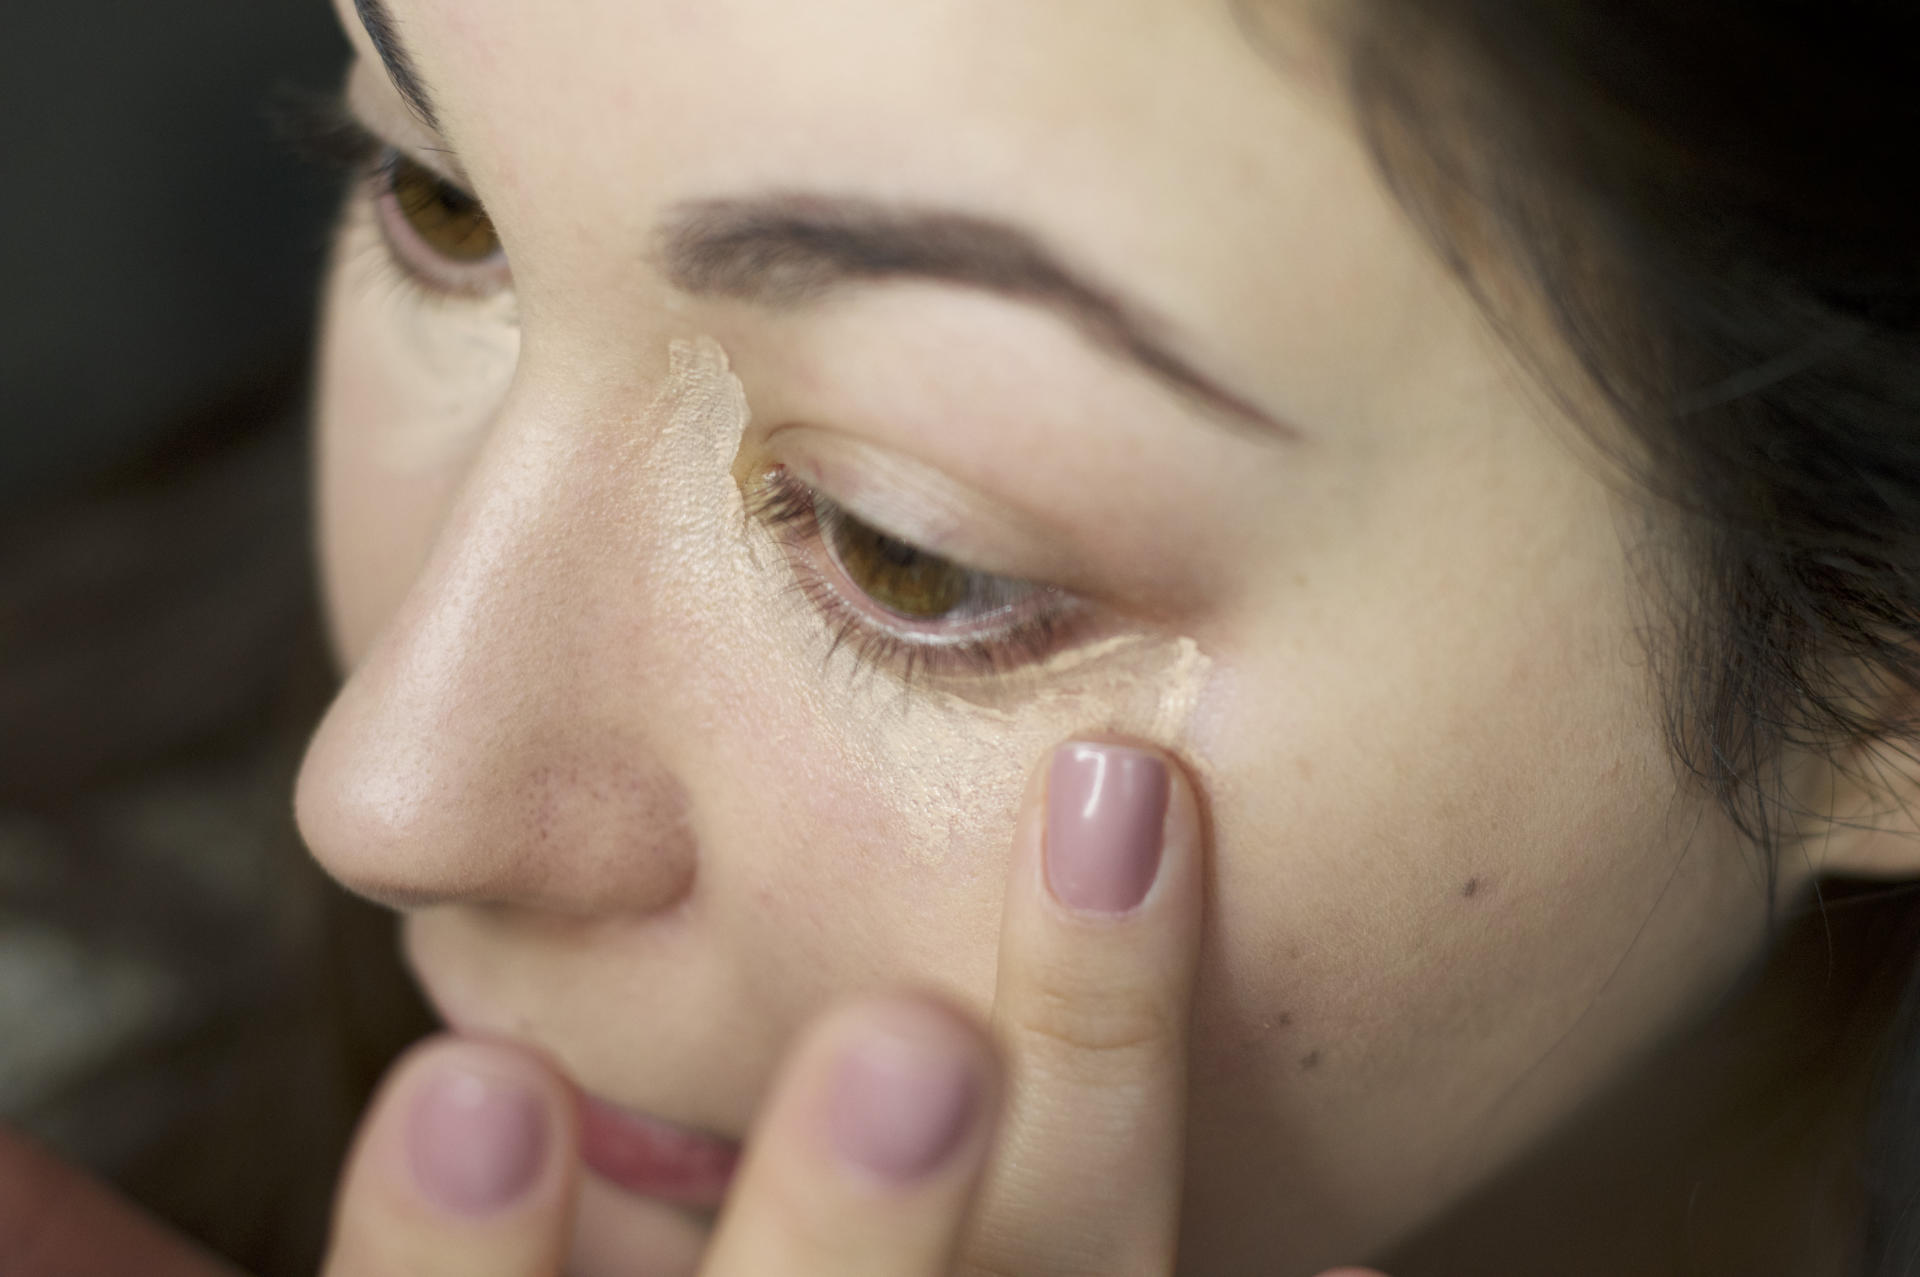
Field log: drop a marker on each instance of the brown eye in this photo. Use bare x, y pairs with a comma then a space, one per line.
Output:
447, 219
438, 232
904, 580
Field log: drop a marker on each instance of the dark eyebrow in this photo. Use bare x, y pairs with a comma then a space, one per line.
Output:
786, 250
381, 29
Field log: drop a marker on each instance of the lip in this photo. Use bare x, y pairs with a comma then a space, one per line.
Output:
637, 1152
651, 1157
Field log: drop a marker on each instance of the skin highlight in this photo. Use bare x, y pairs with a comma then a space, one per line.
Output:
643, 817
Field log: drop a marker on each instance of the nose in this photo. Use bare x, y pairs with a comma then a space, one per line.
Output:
499, 744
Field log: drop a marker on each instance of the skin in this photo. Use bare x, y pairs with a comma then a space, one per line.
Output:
640, 820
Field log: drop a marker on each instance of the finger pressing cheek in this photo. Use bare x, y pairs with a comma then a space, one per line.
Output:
1098, 953
868, 1156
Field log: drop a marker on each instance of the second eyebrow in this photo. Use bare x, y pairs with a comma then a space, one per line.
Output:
385, 34
788, 249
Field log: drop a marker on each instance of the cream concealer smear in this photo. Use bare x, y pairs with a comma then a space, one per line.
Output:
941, 766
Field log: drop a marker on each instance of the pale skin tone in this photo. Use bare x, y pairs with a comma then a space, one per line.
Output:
1367, 591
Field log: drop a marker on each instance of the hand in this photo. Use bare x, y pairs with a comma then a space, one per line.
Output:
877, 1152
465, 1164
1098, 953
1090, 1018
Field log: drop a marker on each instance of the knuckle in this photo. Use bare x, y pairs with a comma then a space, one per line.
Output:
992, 1266
1115, 1024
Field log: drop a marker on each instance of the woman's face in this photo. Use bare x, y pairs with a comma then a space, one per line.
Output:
881, 392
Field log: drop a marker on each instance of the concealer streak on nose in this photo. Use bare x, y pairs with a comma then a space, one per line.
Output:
509, 738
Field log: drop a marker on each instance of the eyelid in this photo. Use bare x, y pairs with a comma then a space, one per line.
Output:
1031, 628
888, 511
915, 503
327, 130
370, 104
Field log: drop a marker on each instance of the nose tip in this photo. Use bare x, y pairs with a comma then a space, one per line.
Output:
413, 808
498, 743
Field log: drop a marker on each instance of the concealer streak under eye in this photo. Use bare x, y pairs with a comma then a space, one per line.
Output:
947, 760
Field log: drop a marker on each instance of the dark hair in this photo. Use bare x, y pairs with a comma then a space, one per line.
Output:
1715, 206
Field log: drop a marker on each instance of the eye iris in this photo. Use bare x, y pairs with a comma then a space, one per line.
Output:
447, 220
897, 576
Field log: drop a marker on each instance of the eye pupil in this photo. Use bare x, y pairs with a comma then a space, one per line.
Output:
899, 577
447, 219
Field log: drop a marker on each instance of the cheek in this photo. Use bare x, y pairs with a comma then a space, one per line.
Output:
871, 845
856, 832
1457, 888
406, 389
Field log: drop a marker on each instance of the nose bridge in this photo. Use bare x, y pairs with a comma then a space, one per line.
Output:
479, 752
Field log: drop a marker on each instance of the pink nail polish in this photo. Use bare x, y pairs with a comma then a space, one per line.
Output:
1106, 806
476, 1144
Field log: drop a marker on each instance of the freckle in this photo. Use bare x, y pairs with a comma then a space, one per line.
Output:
1310, 1061
1285, 1020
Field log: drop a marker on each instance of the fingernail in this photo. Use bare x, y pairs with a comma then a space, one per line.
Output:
902, 1103
1106, 805
476, 1143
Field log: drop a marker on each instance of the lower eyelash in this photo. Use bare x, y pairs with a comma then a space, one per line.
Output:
787, 508
1030, 641
375, 259
380, 268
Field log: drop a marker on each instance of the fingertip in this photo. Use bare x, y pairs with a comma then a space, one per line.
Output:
466, 1161
1119, 818
480, 1128
871, 1149
908, 1083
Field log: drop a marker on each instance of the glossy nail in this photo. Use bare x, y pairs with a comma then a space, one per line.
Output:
1106, 808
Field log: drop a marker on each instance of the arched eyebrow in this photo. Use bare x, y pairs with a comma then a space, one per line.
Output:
385, 34
785, 250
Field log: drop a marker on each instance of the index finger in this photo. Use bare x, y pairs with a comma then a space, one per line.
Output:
1098, 952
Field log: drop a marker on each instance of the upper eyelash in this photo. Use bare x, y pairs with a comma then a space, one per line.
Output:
789, 509
322, 130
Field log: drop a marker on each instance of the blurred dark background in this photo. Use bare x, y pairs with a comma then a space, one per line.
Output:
186, 1007
160, 243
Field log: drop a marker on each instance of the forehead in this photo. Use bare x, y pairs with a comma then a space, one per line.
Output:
1196, 150
921, 94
